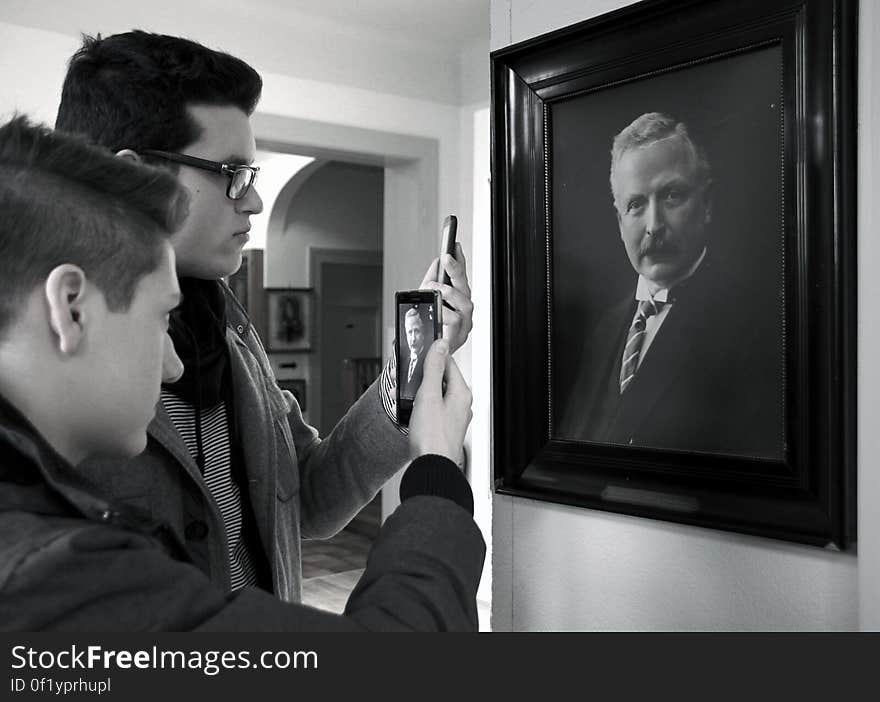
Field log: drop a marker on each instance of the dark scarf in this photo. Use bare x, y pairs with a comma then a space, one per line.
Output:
198, 330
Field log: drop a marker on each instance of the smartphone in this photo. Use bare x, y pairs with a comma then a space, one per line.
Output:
447, 245
418, 326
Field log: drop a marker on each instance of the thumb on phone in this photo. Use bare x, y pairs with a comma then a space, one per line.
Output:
434, 369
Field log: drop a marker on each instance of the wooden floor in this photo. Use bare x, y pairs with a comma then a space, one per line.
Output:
331, 567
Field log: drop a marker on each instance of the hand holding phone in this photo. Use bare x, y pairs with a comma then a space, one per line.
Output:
418, 325
440, 417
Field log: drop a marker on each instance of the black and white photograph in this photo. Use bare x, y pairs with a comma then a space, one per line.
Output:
289, 313
667, 260
673, 327
415, 335
472, 316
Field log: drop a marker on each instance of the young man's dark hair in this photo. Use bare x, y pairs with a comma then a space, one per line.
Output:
66, 201
131, 91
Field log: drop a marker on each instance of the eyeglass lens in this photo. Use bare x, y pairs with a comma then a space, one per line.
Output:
242, 179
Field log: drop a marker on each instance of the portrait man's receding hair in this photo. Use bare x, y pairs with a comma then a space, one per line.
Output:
668, 331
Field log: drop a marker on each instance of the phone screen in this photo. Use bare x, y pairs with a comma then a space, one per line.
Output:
418, 325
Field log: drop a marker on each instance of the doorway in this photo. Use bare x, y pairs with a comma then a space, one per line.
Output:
409, 223
349, 329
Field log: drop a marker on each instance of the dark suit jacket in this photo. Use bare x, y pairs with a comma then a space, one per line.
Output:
410, 387
710, 381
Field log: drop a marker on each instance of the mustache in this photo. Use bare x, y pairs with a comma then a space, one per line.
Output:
653, 245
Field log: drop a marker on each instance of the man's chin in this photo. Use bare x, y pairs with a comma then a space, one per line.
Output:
661, 273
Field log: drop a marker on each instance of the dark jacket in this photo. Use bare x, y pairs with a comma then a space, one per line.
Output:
410, 386
711, 380
299, 485
70, 560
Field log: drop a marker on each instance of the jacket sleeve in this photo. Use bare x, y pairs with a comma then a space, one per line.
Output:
342, 472
422, 575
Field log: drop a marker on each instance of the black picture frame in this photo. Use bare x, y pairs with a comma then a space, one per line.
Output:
805, 491
290, 315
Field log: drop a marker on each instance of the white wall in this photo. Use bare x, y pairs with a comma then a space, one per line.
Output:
477, 132
869, 329
32, 66
562, 568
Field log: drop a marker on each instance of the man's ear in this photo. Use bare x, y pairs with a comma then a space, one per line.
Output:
65, 289
130, 155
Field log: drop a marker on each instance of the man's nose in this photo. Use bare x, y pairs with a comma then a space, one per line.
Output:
251, 203
172, 366
654, 219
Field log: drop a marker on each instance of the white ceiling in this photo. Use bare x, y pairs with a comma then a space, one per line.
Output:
454, 23
445, 25
416, 48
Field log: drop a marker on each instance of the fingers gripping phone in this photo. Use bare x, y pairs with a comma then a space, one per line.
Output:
418, 326
447, 245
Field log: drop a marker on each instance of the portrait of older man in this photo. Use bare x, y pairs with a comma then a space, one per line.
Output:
414, 329
681, 362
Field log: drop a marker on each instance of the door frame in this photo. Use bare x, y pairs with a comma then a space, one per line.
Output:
410, 203
318, 256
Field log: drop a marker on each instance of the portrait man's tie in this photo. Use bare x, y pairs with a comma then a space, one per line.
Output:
634, 341
412, 367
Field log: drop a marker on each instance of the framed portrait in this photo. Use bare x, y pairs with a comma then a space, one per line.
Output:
298, 387
673, 192
289, 312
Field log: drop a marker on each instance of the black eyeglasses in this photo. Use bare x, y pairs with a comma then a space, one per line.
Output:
241, 177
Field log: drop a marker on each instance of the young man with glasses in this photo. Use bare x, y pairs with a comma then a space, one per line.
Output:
88, 285
222, 465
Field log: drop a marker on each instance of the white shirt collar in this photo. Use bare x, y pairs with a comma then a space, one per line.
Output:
644, 286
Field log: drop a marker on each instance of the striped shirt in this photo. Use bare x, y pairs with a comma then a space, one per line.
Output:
217, 473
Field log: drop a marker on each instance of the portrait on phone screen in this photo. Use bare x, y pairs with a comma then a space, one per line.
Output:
416, 335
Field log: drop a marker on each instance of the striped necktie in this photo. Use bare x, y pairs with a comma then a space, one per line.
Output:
634, 341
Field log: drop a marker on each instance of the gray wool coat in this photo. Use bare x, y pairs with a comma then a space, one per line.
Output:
72, 561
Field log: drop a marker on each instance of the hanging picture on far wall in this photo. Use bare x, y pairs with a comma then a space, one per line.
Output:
290, 319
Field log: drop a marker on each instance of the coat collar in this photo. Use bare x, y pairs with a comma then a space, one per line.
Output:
38, 477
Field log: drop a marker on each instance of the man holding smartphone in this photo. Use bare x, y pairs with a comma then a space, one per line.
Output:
230, 464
